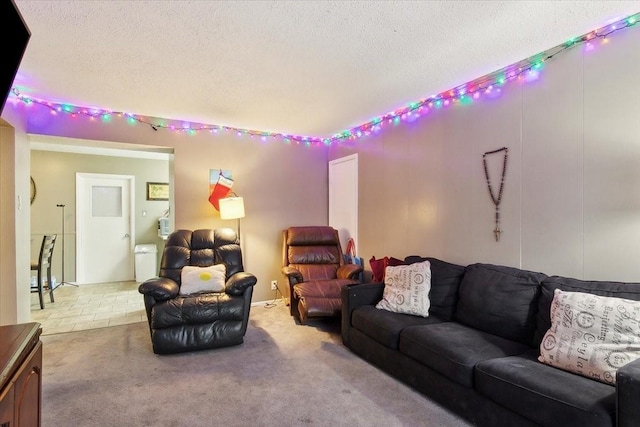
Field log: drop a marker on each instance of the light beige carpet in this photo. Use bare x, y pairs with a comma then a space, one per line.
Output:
282, 375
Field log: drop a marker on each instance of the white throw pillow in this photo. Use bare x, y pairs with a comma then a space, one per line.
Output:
202, 279
591, 335
406, 289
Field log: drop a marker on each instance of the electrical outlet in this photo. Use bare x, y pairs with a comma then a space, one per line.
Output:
274, 285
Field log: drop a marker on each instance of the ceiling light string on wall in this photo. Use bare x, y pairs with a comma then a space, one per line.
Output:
488, 85
107, 115
525, 70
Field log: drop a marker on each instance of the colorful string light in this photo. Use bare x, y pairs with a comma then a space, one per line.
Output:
486, 86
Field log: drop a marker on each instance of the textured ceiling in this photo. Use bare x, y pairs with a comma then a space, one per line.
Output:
300, 67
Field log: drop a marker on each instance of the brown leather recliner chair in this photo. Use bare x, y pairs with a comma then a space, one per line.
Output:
313, 262
203, 319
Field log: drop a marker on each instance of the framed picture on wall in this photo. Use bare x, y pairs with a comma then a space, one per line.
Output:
157, 191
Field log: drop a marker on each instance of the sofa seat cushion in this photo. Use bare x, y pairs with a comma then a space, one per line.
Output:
385, 326
544, 394
197, 309
453, 349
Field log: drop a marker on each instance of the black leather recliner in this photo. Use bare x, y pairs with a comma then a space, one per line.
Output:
202, 320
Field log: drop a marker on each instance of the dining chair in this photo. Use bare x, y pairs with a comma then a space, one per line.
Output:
44, 264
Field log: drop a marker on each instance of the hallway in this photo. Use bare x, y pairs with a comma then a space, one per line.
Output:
89, 307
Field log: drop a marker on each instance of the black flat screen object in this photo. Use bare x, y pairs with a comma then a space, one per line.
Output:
15, 36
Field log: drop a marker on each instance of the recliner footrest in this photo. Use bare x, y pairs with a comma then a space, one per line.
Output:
320, 298
320, 307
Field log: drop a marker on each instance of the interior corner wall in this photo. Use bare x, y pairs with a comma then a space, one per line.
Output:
282, 184
14, 221
571, 201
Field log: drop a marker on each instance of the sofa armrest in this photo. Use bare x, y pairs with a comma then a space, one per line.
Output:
349, 271
160, 288
292, 274
239, 282
354, 296
628, 394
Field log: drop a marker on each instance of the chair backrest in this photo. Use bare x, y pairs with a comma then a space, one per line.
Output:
313, 250
202, 248
46, 250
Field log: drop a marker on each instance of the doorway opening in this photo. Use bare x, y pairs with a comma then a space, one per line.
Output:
55, 162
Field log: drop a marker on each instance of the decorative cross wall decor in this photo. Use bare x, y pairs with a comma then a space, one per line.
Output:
496, 199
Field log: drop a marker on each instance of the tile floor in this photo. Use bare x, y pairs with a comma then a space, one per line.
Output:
89, 307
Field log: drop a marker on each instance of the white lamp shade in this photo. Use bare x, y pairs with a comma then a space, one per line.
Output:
231, 208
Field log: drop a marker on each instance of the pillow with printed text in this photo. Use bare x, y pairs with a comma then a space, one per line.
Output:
591, 335
406, 289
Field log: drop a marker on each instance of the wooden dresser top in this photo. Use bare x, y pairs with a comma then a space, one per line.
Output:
16, 341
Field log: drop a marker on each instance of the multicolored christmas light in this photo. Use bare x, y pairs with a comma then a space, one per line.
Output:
485, 86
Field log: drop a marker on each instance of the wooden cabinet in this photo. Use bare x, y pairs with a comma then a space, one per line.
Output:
20, 375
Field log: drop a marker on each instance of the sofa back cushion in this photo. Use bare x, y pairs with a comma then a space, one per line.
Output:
500, 300
550, 284
445, 281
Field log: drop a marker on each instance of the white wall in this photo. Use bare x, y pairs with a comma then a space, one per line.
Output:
571, 203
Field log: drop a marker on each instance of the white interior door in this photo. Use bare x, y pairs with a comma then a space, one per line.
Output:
343, 198
104, 229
